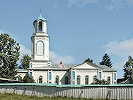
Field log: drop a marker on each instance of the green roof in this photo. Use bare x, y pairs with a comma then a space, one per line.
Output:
55, 85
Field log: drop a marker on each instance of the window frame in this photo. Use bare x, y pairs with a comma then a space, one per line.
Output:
30, 74
94, 78
100, 75
50, 76
109, 79
87, 79
73, 75
66, 79
78, 79
40, 79
57, 79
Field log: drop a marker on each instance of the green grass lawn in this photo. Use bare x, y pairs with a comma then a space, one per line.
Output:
9, 96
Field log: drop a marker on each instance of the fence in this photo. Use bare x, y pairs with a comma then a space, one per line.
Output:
123, 91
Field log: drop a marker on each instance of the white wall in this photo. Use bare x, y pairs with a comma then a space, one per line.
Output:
83, 73
36, 75
61, 75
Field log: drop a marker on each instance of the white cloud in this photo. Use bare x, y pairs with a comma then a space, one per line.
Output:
122, 49
111, 7
81, 2
118, 4
112, 4
24, 50
56, 58
115, 5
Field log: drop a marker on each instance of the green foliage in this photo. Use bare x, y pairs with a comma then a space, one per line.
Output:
128, 70
9, 55
103, 82
25, 61
106, 60
28, 79
89, 60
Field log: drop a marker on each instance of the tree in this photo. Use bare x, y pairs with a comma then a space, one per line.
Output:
9, 55
106, 60
128, 70
89, 60
97, 81
25, 61
28, 79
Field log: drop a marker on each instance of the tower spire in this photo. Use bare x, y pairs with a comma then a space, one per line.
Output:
40, 12
41, 17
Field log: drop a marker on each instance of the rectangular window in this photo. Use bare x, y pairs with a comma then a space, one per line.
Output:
73, 75
114, 76
31, 65
49, 75
100, 75
30, 74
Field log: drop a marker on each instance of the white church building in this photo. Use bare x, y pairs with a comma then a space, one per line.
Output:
43, 71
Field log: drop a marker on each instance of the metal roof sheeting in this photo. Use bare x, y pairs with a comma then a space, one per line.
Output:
47, 84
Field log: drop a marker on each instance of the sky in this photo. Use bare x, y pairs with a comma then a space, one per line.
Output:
78, 29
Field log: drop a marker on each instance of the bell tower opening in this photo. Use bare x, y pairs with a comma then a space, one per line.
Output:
40, 26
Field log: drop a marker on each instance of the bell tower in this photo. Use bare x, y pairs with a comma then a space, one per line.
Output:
40, 43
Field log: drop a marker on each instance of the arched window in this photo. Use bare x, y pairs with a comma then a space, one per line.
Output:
78, 79
108, 79
57, 80
40, 26
66, 79
40, 47
40, 79
94, 78
19, 78
87, 79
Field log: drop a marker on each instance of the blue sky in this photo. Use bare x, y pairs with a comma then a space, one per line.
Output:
78, 29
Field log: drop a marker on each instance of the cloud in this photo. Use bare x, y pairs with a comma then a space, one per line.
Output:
122, 49
119, 4
110, 5
81, 2
55, 58
24, 50
115, 5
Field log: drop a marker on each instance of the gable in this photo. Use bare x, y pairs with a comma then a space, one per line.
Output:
87, 66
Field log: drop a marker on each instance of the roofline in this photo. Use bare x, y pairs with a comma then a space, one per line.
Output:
49, 69
89, 64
